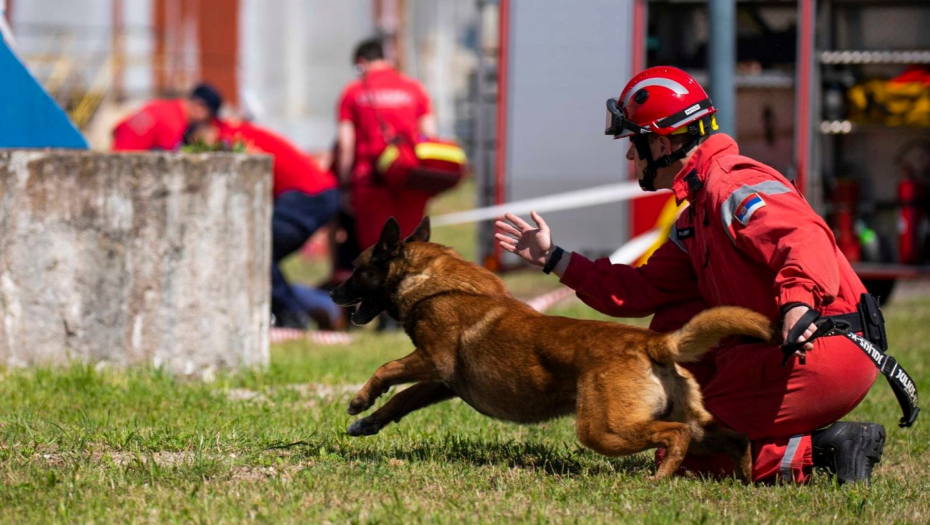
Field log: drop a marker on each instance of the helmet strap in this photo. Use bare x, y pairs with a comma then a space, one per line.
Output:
641, 142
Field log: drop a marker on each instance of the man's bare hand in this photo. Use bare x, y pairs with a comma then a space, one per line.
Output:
792, 317
532, 244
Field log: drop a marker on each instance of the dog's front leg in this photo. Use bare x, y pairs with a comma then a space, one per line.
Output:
420, 395
414, 367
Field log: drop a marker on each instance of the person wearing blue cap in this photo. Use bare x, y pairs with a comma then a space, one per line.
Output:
161, 124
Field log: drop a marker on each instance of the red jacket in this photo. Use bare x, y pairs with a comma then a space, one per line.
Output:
398, 100
293, 169
748, 239
159, 125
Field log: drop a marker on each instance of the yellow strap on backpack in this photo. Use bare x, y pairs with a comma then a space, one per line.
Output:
440, 151
387, 157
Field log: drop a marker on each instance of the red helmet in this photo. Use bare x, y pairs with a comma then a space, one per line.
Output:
662, 100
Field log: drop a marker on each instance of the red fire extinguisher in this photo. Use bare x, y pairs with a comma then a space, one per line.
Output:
908, 220
844, 200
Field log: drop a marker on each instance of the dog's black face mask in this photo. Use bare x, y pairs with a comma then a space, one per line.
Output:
370, 286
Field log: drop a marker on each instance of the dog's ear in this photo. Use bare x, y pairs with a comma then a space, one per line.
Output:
421, 234
389, 243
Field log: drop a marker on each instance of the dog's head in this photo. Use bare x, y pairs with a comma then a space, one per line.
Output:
378, 270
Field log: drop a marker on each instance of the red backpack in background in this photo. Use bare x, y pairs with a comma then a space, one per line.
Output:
427, 165
431, 166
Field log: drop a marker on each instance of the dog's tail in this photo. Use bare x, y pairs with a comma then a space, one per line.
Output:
706, 329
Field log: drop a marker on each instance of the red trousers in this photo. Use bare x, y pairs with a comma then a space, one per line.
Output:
374, 205
746, 388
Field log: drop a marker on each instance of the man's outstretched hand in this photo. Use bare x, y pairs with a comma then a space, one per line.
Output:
532, 244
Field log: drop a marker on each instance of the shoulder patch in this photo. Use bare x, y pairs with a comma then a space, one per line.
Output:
743, 202
746, 208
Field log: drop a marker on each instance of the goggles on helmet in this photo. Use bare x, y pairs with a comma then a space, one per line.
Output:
618, 125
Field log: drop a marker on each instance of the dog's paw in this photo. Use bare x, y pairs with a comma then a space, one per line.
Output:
363, 427
358, 405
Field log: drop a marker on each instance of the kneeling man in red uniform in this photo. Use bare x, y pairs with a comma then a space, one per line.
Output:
748, 238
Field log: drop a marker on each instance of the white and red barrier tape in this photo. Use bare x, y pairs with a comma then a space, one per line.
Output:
283, 335
619, 192
548, 300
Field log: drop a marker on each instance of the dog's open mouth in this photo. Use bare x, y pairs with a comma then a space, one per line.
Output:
366, 308
365, 312
354, 302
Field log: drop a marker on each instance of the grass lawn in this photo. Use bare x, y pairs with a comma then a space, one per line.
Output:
85, 445
82, 445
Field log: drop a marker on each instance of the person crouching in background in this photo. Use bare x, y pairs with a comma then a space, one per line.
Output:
305, 199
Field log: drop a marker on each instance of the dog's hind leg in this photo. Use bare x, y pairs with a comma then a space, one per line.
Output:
720, 440
674, 437
616, 418
420, 395
414, 367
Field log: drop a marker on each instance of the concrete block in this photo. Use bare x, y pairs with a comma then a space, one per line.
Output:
135, 259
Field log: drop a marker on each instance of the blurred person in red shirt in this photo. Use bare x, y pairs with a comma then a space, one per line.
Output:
161, 124
379, 96
305, 199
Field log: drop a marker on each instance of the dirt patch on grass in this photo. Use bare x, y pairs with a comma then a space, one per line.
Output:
252, 473
119, 458
309, 393
244, 394
324, 390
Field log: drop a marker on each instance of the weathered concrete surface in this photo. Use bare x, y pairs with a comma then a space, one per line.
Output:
129, 259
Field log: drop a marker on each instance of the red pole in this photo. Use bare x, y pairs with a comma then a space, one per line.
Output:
159, 64
646, 210
803, 117
639, 35
218, 34
500, 175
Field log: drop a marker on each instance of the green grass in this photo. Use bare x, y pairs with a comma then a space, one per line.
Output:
92, 446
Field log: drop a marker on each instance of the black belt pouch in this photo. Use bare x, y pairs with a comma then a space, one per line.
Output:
873, 322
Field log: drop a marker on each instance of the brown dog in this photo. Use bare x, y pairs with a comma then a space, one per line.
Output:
473, 340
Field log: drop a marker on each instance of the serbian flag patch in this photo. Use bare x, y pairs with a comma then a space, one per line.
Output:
746, 208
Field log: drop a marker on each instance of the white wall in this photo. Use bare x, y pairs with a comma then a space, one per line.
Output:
295, 58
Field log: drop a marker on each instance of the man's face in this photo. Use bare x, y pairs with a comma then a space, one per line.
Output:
659, 146
198, 112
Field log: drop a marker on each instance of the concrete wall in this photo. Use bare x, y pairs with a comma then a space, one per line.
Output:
138, 259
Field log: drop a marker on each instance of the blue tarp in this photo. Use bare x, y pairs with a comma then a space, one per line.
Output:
29, 117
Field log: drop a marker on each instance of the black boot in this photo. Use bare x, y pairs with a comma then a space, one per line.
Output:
849, 450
